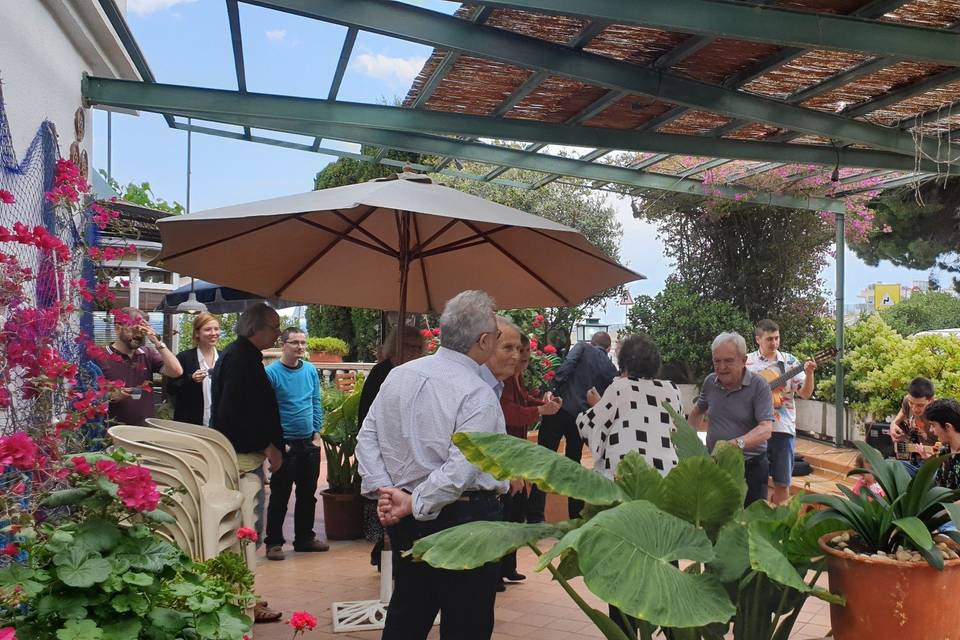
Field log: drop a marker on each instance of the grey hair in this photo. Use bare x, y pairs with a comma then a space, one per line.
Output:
507, 322
465, 316
254, 319
732, 337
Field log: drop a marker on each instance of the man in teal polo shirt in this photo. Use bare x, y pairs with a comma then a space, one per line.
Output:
297, 386
740, 409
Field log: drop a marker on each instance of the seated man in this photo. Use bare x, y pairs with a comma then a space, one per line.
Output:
910, 425
944, 418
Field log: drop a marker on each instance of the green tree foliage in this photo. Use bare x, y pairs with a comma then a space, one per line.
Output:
349, 171
764, 260
683, 325
141, 194
366, 334
924, 312
330, 321
918, 229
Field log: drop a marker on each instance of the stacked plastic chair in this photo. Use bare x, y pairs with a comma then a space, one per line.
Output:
249, 484
192, 466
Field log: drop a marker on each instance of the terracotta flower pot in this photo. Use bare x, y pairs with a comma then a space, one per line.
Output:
342, 515
323, 356
892, 600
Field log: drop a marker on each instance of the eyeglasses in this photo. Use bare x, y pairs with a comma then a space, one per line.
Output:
296, 343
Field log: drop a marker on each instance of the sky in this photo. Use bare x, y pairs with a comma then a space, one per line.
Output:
187, 42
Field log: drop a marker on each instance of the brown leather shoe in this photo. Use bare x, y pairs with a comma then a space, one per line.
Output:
313, 545
275, 552
263, 614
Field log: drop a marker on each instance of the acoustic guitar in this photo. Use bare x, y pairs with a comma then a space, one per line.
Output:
911, 448
778, 382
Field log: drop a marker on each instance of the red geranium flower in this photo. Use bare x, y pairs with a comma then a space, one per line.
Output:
549, 349
246, 533
18, 450
549, 375
8, 633
302, 621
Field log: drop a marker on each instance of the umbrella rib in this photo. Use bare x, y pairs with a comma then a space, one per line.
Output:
516, 261
423, 266
364, 231
602, 258
451, 247
436, 235
462, 243
341, 235
227, 239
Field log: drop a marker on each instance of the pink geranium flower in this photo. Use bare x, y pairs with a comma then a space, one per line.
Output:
8, 633
246, 533
137, 489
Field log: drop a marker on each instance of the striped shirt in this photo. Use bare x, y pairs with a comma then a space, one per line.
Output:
405, 440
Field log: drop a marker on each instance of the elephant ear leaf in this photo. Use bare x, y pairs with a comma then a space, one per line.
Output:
685, 438
700, 492
474, 544
504, 456
639, 480
634, 544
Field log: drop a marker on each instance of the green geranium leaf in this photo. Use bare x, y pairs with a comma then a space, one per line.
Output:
138, 579
63, 605
168, 620
152, 555
233, 623
160, 516
207, 625
639, 480
76, 567
474, 544
635, 543
185, 589
505, 456
29, 580
126, 630
129, 601
80, 630
700, 492
98, 534
685, 439
66, 497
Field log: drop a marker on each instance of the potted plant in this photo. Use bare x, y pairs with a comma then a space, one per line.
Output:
327, 349
748, 567
342, 505
888, 563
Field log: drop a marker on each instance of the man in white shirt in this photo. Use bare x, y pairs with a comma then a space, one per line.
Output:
425, 485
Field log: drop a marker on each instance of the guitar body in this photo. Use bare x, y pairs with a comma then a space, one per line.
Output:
771, 375
778, 381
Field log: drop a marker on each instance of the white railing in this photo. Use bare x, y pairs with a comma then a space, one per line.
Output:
328, 370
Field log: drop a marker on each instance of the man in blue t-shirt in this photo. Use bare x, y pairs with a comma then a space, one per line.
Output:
297, 386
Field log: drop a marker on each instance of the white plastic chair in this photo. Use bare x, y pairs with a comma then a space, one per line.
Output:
220, 512
249, 484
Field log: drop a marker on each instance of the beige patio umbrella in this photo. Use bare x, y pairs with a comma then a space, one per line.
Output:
399, 243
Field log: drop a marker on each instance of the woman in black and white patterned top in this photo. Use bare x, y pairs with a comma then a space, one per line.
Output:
630, 415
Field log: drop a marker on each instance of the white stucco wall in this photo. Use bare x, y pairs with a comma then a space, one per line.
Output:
45, 47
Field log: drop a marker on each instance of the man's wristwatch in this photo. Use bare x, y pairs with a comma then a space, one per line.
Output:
741, 443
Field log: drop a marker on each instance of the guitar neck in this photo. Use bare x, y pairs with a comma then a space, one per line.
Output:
789, 373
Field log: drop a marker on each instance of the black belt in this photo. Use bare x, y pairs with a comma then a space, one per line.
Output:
298, 441
478, 494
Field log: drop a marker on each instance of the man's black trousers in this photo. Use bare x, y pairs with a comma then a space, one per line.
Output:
301, 466
560, 425
465, 599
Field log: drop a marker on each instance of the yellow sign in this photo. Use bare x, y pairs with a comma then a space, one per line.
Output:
885, 296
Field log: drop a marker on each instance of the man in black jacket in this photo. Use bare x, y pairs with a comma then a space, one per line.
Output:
586, 366
244, 407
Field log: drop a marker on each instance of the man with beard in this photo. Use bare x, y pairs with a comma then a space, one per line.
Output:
134, 364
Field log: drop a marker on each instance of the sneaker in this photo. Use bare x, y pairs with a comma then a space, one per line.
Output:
275, 552
313, 545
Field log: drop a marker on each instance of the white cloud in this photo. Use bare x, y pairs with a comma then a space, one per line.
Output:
276, 35
385, 68
144, 7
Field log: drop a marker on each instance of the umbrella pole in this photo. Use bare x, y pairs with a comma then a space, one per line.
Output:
404, 259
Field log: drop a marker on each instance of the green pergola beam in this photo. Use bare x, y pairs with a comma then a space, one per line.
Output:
490, 154
339, 153
236, 40
345, 51
191, 101
756, 23
434, 29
